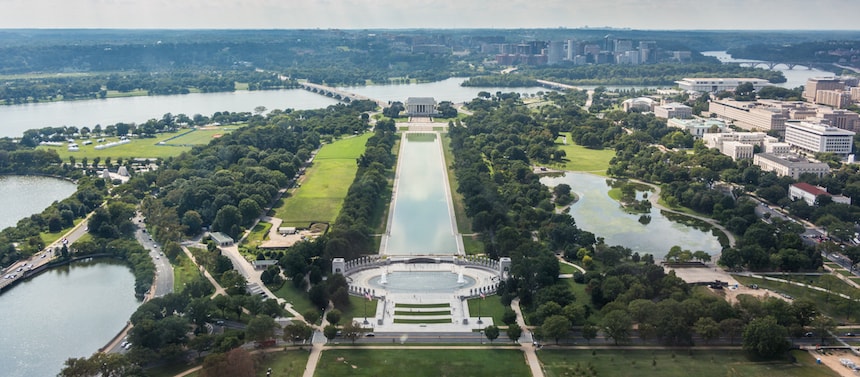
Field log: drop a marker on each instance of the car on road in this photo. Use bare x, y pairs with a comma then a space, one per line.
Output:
370, 335
848, 334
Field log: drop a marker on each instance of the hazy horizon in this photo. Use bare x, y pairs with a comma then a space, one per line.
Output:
431, 14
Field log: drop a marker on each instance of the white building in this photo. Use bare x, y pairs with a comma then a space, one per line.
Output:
737, 150
789, 165
643, 104
810, 193
810, 137
673, 110
698, 127
714, 85
420, 106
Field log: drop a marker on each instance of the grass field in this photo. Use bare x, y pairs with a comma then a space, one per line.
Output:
828, 304
288, 363
489, 307
201, 137
667, 363
297, 298
259, 234
421, 363
49, 238
426, 306
583, 159
184, 271
357, 307
473, 245
143, 148
566, 268
464, 223
327, 181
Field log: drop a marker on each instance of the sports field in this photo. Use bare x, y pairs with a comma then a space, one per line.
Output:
164, 145
326, 182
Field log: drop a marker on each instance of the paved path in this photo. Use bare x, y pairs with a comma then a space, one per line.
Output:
219, 290
526, 341
561, 259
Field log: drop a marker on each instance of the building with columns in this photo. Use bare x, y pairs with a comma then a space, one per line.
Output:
421, 106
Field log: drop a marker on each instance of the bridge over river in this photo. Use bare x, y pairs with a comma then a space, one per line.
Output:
339, 94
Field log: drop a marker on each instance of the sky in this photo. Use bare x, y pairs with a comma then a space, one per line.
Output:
438, 14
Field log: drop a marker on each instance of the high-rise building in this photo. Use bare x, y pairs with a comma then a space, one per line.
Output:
814, 84
555, 52
623, 45
837, 98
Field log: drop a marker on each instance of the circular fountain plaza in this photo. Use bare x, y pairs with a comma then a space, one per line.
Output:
423, 293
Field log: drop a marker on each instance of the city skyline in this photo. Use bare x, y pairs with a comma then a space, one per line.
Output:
441, 14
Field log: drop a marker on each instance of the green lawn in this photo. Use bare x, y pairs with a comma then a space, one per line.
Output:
259, 234
357, 309
473, 245
288, 363
202, 137
464, 223
583, 159
299, 299
137, 148
48, 237
422, 305
420, 363
829, 304
566, 268
489, 307
422, 321
184, 271
420, 313
326, 183
666, 363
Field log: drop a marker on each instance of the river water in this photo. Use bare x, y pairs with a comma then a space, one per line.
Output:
596, 212
69, 311
15, 119
794, 77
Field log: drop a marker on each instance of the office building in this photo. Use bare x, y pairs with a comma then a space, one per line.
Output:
714, 85
811, 138
753, 116
789, 165
673, 110
815, 84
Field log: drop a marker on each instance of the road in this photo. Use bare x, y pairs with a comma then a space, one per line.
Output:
163, 283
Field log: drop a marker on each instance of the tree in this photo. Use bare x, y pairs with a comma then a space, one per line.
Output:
333, 316
100, 365
260, 328
514, 332
352, 331
823, 326
491, 332
617, 325
589, 332
556, 327
330, 332
707, 328
765, 338
298, 331
311, 315
732, 327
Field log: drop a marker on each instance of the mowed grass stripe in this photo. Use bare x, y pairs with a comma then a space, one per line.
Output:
428, 321
420, 313
441, 305
326, 183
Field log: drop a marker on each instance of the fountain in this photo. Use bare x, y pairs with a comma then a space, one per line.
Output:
460, 279
384, 278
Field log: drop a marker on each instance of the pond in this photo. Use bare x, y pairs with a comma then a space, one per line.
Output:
596, 212
22, 196
69, 311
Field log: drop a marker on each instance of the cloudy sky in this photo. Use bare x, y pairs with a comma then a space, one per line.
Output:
361, 14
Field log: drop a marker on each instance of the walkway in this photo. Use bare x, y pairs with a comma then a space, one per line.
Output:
527, 342
219, 290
